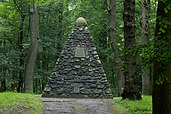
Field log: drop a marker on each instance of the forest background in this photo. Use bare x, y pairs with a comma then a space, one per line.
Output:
56, 19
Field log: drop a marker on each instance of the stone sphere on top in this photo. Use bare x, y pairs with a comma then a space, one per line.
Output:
81, 22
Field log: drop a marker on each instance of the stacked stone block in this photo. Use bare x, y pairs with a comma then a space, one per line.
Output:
78, 72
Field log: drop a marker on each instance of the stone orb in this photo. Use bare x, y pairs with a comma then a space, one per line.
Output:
81, 22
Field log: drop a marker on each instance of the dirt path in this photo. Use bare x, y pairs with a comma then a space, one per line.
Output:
77, 106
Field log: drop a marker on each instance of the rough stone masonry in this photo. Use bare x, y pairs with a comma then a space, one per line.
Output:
78, 72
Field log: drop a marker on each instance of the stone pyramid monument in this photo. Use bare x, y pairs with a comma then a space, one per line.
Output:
78, 72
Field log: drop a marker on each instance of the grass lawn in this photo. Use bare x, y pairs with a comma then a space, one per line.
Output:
143, 106
14, 103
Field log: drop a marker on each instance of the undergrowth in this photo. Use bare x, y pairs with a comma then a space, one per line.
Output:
143, 106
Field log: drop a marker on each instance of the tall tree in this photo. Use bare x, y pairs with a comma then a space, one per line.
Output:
162, 62
131, 90
146, 77
33, 48
112, 37
20, 8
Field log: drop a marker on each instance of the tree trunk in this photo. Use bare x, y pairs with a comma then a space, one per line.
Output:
3, 69
131, 90
60, 18
21, 58
162, 66
146, 77
2, 85
20, 10
33, 49
112, 37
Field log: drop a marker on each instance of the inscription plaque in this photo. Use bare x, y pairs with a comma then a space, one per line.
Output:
77, 87
80, 51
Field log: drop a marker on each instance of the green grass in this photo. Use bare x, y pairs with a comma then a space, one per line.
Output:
19, 103
143, 106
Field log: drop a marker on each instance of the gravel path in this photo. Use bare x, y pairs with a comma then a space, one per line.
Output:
77, 106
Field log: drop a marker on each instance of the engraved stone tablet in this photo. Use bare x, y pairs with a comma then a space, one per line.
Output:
79, 51
77, 87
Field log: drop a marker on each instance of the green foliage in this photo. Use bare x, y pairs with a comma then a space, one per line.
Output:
20, 103
9, 24
143, 106
162, 52
162, 78
56, 20
164, 23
